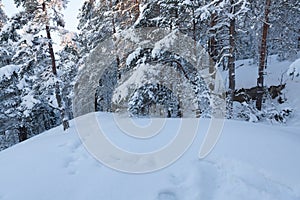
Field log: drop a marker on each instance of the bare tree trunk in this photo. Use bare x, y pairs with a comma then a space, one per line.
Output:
231, 64
194, 26
65, 121
263, 57
212, 44
113, 21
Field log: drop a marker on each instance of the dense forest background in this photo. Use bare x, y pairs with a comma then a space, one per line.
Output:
37, 80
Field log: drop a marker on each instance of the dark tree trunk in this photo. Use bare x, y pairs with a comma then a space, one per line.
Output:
212, 49
23, 134
212, 44
231, 60
65, 121
194, 26
113, 21
263, 56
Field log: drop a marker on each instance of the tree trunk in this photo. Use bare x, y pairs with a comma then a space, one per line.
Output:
263, 57
65, 121
23, 134
212, 44
113, 21
231, 64
212, 48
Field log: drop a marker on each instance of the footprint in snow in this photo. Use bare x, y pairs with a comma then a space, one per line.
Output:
70, 163
167, 195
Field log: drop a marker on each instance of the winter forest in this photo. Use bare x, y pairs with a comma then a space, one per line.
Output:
41, 61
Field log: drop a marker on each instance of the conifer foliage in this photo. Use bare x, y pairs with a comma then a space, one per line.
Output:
31, 81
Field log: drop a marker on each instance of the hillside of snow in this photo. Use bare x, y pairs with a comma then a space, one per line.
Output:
250, 161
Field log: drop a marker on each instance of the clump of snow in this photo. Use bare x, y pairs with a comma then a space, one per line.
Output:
28, 38
22, 84
142, 8
133, 56
7, 71
187, 2
28, 102
164, 43
294, 69
129, 34
144, 73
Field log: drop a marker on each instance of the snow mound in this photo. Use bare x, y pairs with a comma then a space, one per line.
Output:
259, 162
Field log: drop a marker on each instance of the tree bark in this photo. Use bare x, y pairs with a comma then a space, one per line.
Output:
65, 121
263, 56
231, 60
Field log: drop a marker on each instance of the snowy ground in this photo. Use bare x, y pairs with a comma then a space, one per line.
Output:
251, 161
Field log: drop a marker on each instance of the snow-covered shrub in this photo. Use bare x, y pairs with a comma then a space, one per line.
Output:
151, 96
271, 112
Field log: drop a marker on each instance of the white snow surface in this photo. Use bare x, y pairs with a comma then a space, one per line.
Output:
250, 161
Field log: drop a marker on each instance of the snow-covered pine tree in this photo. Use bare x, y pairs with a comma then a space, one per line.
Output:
29, 85
249, 26
32, 112
46, 16
7, 37
95, 24
125, 13
67, 63
11, 87
57, 18
223, 17
171, 14
10, 99
219, 14
284, 32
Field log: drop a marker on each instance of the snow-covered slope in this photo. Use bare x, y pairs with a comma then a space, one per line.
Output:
250, 161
